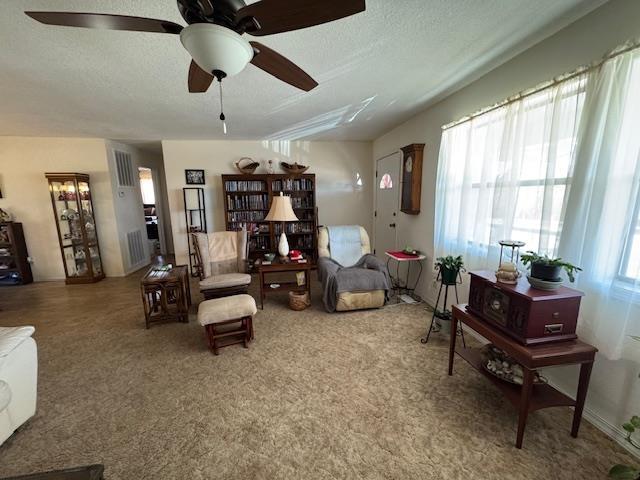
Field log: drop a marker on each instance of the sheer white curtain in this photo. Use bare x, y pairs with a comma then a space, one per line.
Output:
505, 175
601, 231
560, 170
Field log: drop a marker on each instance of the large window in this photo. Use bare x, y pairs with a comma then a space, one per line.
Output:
146, 186
560, 170
506, 174
630, 260
627, 153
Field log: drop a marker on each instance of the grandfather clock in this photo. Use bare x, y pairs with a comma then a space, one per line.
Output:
411, 178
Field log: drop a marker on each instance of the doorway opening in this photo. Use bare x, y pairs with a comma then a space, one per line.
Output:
151, 217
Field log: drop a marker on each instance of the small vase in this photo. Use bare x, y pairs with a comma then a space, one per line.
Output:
283, 245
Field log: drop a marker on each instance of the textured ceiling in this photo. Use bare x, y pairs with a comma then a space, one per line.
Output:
375, 70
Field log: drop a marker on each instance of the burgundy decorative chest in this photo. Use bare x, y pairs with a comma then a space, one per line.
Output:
528, 315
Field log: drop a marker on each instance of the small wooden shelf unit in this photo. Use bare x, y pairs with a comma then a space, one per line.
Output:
247, 199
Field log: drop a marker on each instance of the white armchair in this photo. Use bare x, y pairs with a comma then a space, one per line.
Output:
18, 378
364, 284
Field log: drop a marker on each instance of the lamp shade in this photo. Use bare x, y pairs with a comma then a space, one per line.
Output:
281, 210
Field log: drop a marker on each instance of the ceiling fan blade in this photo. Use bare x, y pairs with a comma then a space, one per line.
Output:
276, 16
207, 7
105, 21
199, 80
280, 67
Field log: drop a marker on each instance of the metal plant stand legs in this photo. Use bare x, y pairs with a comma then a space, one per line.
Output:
397, 284
446, 314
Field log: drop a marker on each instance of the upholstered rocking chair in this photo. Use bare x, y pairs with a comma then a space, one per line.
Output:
221, 259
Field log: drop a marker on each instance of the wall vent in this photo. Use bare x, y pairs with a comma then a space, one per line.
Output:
124, 169
136, 247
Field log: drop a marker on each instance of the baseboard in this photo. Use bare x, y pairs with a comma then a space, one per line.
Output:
613, 431
136, 268
62, 279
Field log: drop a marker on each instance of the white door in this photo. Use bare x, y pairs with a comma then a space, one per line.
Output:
387, 202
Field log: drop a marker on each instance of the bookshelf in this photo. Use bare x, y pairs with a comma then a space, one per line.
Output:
247, 199
14, 259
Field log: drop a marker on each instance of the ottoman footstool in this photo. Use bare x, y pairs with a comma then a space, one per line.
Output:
217, 314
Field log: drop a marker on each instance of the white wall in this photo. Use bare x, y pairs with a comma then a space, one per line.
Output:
23, 163
336, 165
128, 206
614, 393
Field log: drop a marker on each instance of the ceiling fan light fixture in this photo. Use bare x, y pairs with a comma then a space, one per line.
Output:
214, 47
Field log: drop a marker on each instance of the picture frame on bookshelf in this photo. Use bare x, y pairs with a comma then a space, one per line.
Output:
194, 177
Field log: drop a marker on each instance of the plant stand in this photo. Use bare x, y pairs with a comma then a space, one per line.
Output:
444, 314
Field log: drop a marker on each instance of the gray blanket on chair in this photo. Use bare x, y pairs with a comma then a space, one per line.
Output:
368, 274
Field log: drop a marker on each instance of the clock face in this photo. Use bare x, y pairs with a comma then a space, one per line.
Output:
408, 164
496, 305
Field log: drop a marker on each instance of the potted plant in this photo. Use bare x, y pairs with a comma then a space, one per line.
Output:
626, 472
449, 268
548, 269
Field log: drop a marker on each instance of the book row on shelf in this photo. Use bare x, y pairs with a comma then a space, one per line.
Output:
302, 202
248, 216
301, 243
305, 215
259, 243
301, 227
244, 186
248, 202
292, 184
264, 244
252, 228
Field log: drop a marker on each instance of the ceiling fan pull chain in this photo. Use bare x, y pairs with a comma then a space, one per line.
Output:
222, 117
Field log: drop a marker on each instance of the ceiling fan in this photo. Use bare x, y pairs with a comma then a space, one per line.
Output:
213, 36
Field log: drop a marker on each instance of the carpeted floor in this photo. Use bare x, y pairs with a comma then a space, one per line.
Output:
316, 396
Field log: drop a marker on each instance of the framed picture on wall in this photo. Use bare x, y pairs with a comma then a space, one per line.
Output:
194, 177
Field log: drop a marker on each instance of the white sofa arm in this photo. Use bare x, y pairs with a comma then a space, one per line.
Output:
5, 395
18, 378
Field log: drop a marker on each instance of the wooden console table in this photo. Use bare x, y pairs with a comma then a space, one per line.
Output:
528, 397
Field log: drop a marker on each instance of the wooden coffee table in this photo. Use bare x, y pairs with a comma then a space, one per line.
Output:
166, 295
283, 266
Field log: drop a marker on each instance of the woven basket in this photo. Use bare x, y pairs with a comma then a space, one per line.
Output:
293, 168
247, 168
299, 300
